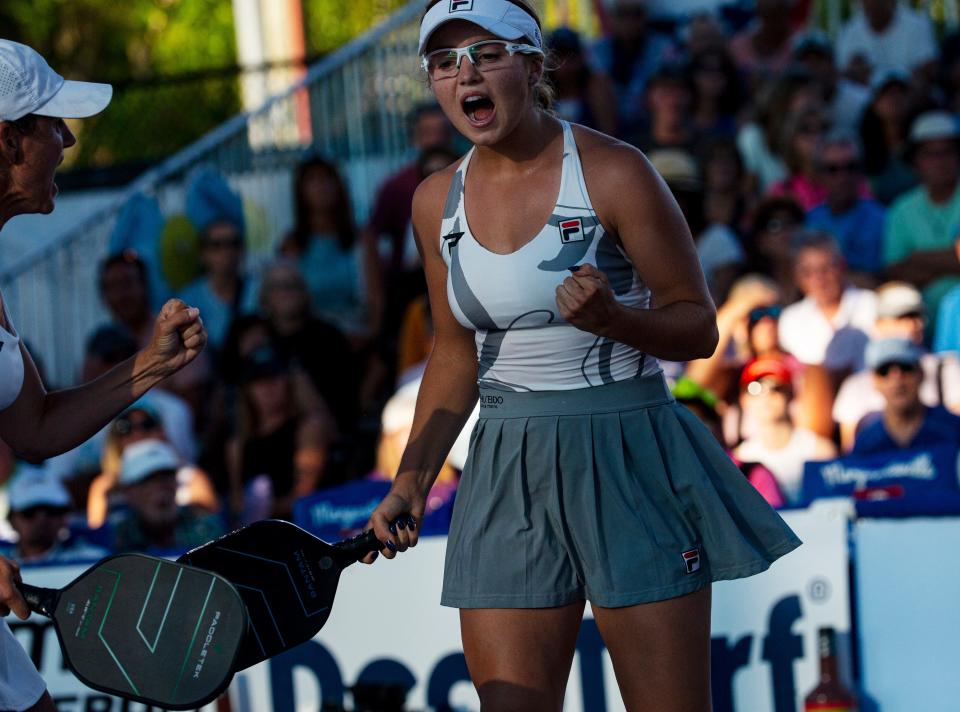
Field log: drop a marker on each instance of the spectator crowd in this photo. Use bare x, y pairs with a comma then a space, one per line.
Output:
820, 178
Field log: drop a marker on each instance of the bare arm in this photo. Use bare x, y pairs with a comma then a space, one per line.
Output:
732, 318
448, 391
373, 281
921, 268
39, 424
681, 323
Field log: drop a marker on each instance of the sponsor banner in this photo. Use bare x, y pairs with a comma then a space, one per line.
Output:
908, 586
388, 628
342, 512
893, 475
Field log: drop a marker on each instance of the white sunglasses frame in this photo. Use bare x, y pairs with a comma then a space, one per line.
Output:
461, 52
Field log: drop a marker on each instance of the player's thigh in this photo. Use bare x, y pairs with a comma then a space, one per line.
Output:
44, 704
519, 658
661, 652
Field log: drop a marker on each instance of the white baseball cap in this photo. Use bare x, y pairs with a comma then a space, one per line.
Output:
34, 487
934, 126
29, 86
504, 19
146, 457
896, 299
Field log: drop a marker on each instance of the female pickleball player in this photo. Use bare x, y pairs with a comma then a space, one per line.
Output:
34, 100
559, 269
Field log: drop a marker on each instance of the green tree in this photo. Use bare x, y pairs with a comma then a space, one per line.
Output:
137, 45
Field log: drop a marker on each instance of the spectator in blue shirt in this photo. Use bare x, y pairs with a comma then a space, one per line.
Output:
906, 423
854, 221
946, 336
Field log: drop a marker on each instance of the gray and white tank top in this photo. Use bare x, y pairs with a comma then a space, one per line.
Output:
11, 362
523, 344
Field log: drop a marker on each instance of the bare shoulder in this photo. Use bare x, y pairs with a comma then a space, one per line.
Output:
610, 160
613, 170
430, 196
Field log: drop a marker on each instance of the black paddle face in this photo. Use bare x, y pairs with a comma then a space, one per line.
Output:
151, 630
285, 575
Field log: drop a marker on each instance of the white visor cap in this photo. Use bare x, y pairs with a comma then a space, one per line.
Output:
29, 86
504, 19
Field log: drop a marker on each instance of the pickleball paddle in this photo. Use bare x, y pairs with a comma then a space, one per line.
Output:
286, 576
147, 629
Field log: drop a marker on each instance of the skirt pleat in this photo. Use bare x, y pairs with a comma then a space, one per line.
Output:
619, 505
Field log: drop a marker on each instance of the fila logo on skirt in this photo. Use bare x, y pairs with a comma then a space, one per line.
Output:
691, 559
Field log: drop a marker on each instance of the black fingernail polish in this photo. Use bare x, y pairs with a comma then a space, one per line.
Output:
402, 523
575, 268
391, 545
393, 528
374, 557
412, 523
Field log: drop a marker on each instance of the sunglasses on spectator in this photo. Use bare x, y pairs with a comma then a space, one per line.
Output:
764, 313
779, 225
837, 168
810, 129
125, 425
904, 368
228, 244
760, 388
47, 510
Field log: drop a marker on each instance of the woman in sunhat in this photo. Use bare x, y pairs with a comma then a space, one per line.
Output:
560, 269
34, 101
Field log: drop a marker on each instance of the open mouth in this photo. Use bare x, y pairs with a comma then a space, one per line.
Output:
479, 109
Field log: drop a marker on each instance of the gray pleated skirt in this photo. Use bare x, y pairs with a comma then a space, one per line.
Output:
614, 494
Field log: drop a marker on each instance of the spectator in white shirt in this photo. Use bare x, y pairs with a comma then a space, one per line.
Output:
831, 325
900, 314
886, 34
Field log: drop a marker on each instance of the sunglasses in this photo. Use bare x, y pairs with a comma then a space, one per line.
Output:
764, 313
904, 368
44, 509
124, 425
222, 244
777, 225
761, 388
837, 168
486, 56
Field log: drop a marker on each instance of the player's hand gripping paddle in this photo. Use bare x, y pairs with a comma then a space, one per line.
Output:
286, 576
147, 629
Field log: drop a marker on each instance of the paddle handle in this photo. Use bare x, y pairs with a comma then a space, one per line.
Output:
40, 600
360, 545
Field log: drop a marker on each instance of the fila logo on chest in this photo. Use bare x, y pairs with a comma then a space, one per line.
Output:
571, 230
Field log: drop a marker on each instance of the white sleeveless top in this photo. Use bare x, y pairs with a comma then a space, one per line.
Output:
523, 344
11, 362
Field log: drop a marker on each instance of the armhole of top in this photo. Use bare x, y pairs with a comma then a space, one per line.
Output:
581, 181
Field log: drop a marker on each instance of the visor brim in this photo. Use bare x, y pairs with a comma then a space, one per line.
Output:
77, 100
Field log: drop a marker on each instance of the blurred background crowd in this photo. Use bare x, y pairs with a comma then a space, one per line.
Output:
820, 178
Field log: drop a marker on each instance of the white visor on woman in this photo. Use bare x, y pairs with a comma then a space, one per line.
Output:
29, 86
504, 19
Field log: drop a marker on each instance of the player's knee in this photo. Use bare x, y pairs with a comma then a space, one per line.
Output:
503, 696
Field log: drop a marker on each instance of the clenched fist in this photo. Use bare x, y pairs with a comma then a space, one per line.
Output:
586, 300
178, 335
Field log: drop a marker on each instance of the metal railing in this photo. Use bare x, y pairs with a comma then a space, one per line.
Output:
351, 106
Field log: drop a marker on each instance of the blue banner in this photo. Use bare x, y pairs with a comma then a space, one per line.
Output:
341, 512
896, 475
